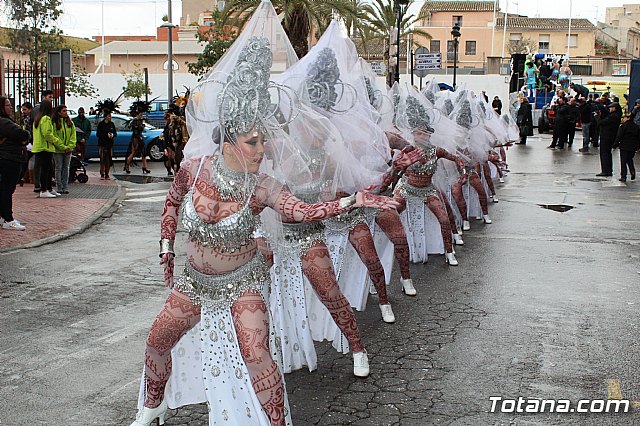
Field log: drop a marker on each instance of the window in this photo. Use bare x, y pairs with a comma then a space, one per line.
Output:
514, 38
470, 48
450, 50
573, 40
434, 46
456, 20
543, 43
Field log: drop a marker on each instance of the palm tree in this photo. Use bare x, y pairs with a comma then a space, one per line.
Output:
300, 16
383, 17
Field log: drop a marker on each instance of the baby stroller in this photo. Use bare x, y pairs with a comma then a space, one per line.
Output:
77, 171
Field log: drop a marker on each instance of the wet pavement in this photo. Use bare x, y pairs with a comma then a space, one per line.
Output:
543, 305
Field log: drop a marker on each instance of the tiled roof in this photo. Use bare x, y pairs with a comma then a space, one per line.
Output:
376, 48
458, 6
545, 23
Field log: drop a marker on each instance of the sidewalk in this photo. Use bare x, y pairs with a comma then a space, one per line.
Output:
52, 219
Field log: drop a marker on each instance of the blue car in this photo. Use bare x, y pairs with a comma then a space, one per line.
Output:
151, 137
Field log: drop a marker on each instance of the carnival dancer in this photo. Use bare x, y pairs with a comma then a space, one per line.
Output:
232, 360
475, 150
416, 190
136, 145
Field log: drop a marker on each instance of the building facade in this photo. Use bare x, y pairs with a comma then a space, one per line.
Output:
623, 24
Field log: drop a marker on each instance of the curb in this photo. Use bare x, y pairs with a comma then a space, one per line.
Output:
73, 231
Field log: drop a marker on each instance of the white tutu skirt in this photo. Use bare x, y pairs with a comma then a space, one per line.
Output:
473, 202
353, 280
422, 229
288, 305
207, 366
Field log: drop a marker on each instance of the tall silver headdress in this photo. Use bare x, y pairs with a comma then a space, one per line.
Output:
417, 116
465, 116
448, 107
245, 99
325, 88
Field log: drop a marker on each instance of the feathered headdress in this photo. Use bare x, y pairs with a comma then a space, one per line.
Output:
140, 107
108, 106
179, 102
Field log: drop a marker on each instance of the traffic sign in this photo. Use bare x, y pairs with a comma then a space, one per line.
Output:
429, 56
428, 61
425, 61
428, 67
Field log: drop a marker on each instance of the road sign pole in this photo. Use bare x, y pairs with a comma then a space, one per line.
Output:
412, 62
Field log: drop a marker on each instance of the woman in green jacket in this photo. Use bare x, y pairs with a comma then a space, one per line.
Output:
45, 144
65, 130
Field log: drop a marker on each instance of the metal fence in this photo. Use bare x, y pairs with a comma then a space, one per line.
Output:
22, 81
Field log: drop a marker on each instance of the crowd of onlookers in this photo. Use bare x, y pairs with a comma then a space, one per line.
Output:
37, 149
603, 122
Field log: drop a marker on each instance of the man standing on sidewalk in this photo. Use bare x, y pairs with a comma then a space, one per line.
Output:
82, 123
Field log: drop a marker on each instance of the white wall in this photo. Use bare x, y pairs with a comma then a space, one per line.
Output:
110, 86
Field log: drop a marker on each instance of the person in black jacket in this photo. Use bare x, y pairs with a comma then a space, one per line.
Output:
608, 131
106, 135
562, 122
574, 114
628, 139
580, 90
524, 120
586, 115
497, 105
13, 141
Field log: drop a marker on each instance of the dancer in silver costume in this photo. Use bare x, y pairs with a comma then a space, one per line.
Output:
231, 360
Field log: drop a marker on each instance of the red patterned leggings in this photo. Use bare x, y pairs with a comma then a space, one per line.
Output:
458, 195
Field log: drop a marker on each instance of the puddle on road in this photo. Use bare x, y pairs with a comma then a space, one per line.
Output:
557, 207
139, 179
593, 180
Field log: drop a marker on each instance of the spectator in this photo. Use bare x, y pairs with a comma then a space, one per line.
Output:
13, 140
608, 131
563, 122
45, 143
524, 120
92, 111
27, 124
601, 111
106, 135
83, 124
635, 112
64, 130
574, 114
586, 115
628, 139
580, 90
47, 95
168, 145
497, 105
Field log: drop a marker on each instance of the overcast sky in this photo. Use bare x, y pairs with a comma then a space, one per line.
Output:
83, 18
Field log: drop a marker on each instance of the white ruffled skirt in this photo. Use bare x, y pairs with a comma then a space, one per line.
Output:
422, 229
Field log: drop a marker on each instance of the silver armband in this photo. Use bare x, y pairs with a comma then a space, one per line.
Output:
347, 201
166, 246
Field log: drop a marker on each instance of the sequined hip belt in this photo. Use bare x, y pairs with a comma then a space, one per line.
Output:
300, 237
406, 190
346, 221
222, 290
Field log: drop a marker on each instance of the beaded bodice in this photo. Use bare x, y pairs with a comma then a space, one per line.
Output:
429, 167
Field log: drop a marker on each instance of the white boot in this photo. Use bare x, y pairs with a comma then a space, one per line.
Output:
458, 240
501, 180
372, 290
407, 287
486, 218
466, 225
459, 231
360, 364
450, 258
387, 314
494, 198
148, 415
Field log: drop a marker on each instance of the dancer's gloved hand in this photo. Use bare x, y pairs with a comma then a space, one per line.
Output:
406, 157
366, 199
167, 261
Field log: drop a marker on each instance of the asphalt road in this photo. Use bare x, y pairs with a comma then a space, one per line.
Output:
543, 306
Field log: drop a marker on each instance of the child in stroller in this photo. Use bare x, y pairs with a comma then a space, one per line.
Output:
77, 170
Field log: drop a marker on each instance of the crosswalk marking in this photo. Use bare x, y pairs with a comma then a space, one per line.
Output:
145, 200
141, 193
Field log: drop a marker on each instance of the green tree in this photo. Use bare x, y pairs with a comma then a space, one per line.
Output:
35, 31
134, 84
79, 85
300, 17
217, 39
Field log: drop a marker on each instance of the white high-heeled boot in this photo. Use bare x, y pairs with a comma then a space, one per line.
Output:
494, 198
466, 225
148, 415
457, 239
486, 218
360, 364
387, 314
450, 258
407, 287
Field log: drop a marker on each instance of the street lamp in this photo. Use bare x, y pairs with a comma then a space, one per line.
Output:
401, 9
169, 26
455, 32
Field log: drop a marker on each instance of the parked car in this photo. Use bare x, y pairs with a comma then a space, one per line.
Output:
156, 116
547, 120
150, 136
